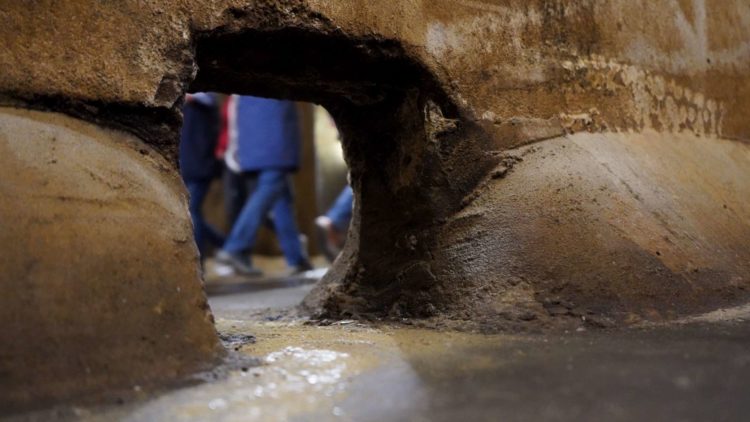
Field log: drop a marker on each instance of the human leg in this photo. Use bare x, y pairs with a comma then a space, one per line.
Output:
203, 232
286, 230
341, 211
235, 195
332, 227
270, 187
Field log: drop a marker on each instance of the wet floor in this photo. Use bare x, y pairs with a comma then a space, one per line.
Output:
351, 372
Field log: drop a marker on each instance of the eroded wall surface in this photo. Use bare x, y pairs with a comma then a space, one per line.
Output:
515, 162
99, 270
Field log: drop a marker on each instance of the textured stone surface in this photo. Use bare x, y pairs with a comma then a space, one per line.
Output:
99, 279
481, 197
608, 228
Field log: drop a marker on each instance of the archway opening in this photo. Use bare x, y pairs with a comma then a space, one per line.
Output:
400, 135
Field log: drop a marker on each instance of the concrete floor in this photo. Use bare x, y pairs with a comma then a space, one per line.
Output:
696, 370
237, 297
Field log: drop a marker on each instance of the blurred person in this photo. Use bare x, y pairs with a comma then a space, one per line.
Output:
198, 166
333, 226
236, 185
263, 146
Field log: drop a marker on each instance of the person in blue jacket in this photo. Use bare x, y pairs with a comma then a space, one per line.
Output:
198, 165
264, 143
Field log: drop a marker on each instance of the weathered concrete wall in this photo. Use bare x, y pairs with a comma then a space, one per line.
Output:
535, 61
99, 279
534, 73
610, 228
480, 197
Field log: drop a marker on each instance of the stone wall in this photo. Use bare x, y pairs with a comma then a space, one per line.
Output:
99, 271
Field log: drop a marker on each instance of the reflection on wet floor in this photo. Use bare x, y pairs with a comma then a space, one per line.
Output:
350, 371
308, 373
290, 381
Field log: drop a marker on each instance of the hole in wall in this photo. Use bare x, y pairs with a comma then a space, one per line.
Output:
351, 78
406, 176
320, 203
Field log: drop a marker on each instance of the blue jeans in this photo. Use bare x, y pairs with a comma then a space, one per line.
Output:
202, 231
341, 210
235, 194
271, 194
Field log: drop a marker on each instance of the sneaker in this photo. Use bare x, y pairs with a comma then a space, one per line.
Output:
298, 269
303, 244
329, 239
240, 263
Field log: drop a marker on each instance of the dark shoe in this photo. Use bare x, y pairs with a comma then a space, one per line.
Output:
240, 263
304, 266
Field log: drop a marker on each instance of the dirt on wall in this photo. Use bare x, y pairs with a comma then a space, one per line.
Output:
515, 163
